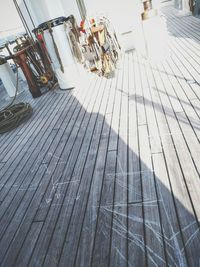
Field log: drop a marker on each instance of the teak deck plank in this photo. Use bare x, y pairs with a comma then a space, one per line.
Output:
108, 174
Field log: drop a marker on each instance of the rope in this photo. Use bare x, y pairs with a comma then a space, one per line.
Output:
56, 48
69, 39
13, 115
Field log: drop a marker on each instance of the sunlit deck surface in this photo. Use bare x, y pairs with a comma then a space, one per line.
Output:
108, 174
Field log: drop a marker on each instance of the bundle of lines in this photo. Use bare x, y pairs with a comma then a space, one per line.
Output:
95, 45
12, 116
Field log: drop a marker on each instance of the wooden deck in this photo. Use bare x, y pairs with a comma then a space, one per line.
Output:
108, 174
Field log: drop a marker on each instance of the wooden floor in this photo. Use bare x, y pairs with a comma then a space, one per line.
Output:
108, 174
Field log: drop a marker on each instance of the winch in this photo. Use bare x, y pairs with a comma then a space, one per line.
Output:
34, 61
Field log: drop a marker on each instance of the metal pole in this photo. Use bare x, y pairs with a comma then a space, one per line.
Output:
22, 19
17, 8
24, 1
82, 8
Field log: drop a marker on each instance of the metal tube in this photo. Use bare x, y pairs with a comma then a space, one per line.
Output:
17, 8
23, 19
82, 8
24, 1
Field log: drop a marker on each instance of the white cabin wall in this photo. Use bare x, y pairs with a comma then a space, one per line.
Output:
43, 10
123, 14
70, 8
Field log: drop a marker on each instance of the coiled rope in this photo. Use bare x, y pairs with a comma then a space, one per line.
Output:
13, 115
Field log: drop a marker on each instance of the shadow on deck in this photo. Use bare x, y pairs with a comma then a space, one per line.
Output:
107, 174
